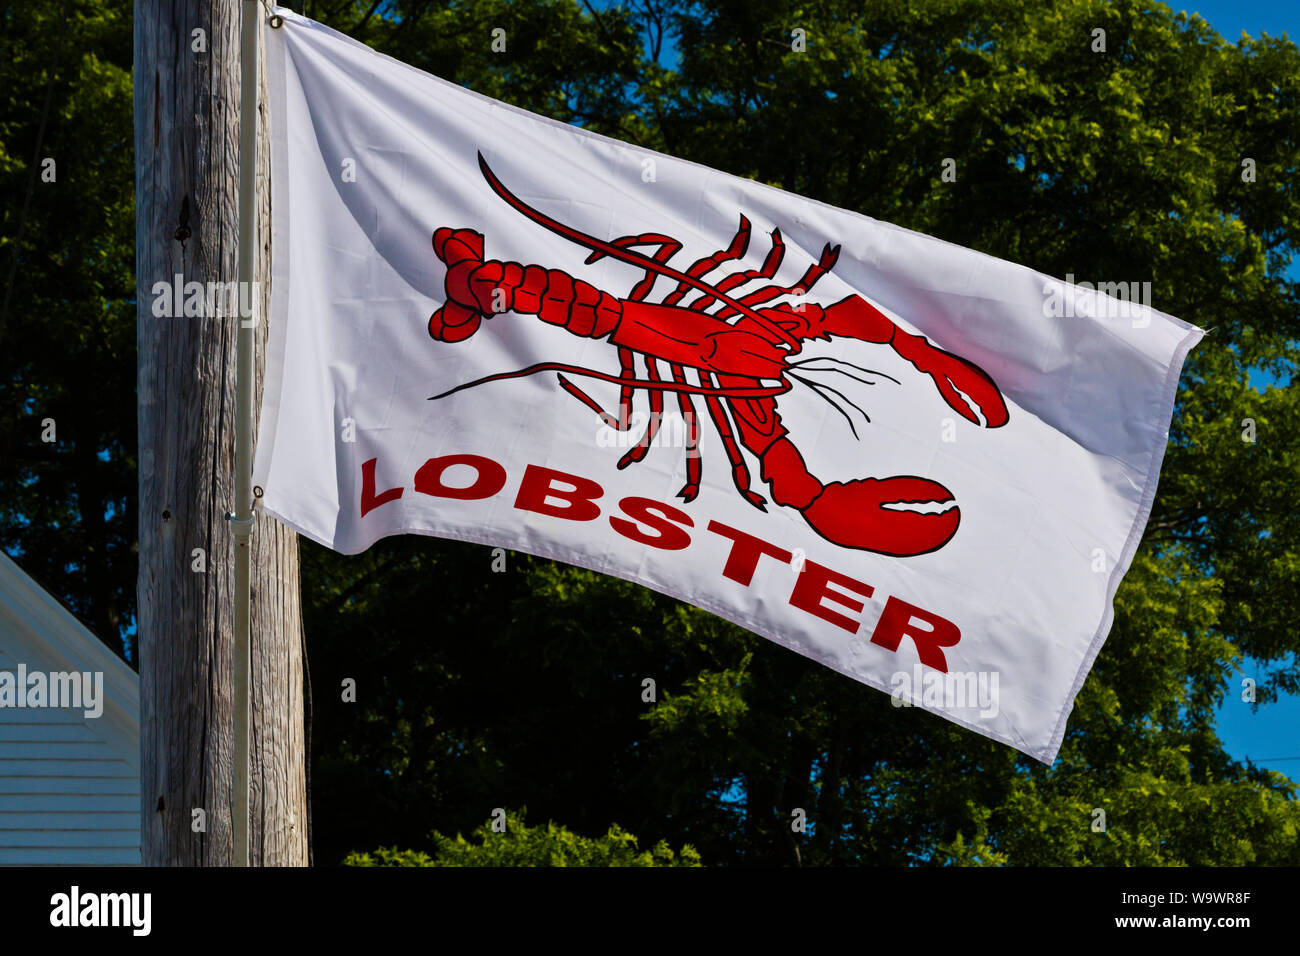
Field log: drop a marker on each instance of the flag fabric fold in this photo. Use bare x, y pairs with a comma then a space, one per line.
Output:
924, 467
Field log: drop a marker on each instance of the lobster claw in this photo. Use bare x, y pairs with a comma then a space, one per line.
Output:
960, 382
900, 516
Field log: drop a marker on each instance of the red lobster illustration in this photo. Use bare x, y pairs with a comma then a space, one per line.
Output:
741, 355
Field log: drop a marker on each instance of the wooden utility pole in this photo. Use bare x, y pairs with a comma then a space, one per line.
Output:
187, 91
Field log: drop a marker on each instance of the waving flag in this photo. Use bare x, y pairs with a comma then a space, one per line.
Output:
919, 465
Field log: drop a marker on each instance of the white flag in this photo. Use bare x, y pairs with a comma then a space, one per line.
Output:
916, 464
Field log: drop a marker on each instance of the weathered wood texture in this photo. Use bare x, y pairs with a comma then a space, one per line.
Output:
187, 161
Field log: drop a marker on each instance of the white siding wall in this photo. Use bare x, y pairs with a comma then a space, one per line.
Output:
69, 785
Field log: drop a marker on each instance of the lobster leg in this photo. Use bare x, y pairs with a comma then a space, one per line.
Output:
691, 489
702, 267
622, 423
587, 400
815, 272
766, 271
692, 486
638, 451
668, 247
625, 392
739, 473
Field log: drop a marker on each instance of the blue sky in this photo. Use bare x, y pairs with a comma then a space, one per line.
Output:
1231, 17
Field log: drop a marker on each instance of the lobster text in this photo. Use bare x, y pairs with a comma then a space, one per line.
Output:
818, 590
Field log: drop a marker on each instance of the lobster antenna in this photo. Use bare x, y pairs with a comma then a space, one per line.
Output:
817, 390
848, 401
730, 391
806, 365
864, 381
627, 255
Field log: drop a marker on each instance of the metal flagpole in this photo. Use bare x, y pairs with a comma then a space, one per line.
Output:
242, 521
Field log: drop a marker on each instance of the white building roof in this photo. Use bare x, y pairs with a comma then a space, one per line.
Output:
69, 784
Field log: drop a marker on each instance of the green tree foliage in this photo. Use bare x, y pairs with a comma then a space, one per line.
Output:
67, 336
520, 845
478, 689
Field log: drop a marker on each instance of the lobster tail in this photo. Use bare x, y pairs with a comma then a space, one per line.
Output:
454, 322
462, 251
477, 289
465, 244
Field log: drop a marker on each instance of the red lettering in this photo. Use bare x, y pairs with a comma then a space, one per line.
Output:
490, 477
369, 500
897, 621
538, 486
745, 552
811, 586
659, 517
